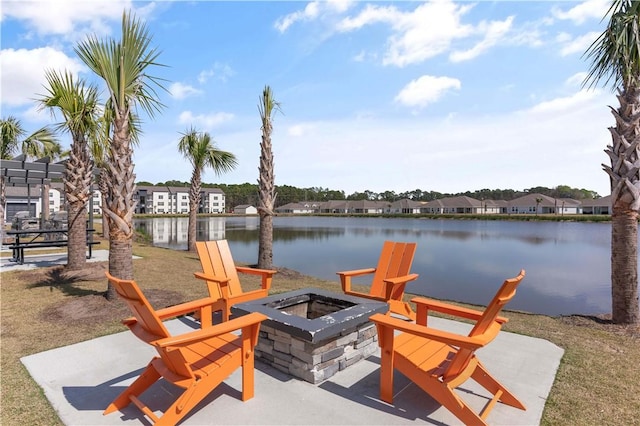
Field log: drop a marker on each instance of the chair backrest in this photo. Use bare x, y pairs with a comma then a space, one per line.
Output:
215, 258
395, 261
487, 326
148, 326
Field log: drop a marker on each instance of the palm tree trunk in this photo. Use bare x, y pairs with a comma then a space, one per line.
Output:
265, 242
77, 180
194, 202
119, 204
77, 236
624, 154
624, 266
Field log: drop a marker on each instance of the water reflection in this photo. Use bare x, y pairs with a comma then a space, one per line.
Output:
567, 264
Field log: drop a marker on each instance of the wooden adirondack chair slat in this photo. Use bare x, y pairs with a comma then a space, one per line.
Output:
438, 362
221, 274
390, 277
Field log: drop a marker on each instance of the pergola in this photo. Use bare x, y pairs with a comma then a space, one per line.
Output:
20, 172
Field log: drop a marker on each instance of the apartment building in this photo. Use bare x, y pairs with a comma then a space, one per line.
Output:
175, 200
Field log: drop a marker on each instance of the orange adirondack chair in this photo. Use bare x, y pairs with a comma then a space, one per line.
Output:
439, 361
389, 278
197, 361
221, 275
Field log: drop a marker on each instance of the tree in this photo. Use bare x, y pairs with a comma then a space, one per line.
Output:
77, 103
14, 142
615, 57
538, 201
201, 151
124, 66
266, 184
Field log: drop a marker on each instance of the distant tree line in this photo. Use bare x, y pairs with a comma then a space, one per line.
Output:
247, 193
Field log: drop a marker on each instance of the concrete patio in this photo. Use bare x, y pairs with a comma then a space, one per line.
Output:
81, 380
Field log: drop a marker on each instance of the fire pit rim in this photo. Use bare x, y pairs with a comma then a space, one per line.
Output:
313, 330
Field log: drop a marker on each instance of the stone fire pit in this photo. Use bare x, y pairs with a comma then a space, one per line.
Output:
312, 334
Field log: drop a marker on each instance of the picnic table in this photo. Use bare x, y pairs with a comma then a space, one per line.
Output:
36, 238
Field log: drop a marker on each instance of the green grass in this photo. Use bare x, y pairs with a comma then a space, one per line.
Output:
598, 381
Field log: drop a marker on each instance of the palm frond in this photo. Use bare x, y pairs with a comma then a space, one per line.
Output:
615, 54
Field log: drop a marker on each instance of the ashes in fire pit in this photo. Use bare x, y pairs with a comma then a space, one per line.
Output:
312, 334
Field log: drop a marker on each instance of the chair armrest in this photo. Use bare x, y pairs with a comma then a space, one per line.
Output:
426, 332
345, 277
255, 271
266, 274
447, 308
206, 306
235, 324
214, 278
185, 308
356, 272
394, 287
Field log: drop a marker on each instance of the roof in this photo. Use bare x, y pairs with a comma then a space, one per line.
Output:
532, 200
598, 202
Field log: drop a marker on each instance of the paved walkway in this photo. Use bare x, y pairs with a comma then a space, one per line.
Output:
81, 380
33, 261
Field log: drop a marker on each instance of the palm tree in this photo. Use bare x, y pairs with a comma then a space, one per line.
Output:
538, 201
266, 184
13, 142
123, 65
615, 57
77, 103
201, 151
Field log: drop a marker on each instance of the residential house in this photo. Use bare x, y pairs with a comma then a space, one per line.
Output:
299, 208
245, 209
533, 204
405, 206
600, 205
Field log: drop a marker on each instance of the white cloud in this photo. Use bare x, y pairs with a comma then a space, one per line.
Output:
426, 32
181, 91
565, 104
576, 79
370, 15
590, 9
23, 72
579, 44
63, 17
494, 32
206, 121
425, 90
310, 12
220, 71
313, 11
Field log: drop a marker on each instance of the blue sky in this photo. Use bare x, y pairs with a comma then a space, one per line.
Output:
440, 96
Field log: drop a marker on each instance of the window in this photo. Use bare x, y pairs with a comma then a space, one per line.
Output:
161, 203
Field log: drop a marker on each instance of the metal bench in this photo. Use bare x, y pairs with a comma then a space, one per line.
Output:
19, 246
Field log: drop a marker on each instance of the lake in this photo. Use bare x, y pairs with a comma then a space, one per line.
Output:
567, 264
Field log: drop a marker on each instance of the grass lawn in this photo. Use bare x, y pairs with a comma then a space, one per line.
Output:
598, 382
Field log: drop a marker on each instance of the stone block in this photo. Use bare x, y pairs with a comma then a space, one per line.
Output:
284, 347
344, 340
333, 353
